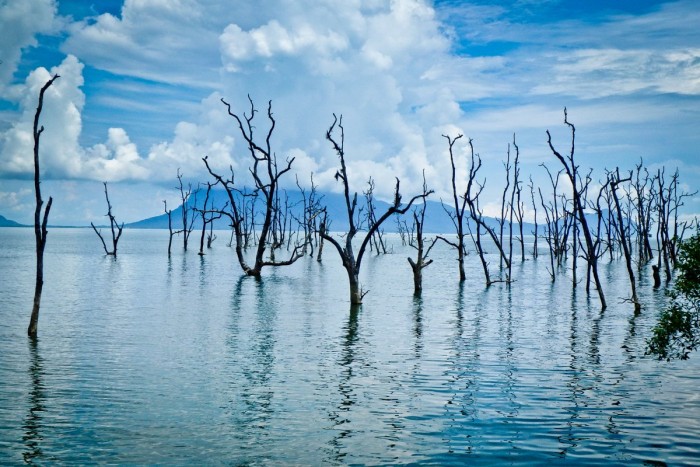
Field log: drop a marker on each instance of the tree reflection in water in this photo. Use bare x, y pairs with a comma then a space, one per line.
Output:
37, 396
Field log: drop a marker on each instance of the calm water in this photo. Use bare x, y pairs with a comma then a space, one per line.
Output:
154, 360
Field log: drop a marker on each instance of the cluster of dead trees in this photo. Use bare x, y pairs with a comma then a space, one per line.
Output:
634, 216
618, 217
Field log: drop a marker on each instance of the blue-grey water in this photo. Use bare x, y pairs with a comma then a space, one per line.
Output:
181, 360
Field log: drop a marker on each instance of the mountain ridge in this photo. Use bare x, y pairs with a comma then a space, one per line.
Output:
436, 218
5, 222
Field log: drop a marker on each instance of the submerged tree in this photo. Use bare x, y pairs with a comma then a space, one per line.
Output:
208, 217
171, 232
471, 197
579, 188
114, 226
418, 242
40, 231
351, 261
266, 175
615, 181
187, 213
456, 211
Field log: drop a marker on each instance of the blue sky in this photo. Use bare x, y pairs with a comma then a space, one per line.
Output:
141, 83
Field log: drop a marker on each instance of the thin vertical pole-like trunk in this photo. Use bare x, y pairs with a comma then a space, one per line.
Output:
579, 214
625, 246
40, 231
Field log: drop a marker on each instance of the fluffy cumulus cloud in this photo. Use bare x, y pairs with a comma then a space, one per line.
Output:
402, 73
61, 118
385, 66
21, 23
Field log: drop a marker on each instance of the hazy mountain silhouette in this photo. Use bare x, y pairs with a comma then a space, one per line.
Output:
436, 219
5, 222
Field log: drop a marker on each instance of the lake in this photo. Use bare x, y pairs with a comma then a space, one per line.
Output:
182, 360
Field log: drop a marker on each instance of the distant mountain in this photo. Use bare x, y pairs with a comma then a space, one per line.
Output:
5, 222
436, 219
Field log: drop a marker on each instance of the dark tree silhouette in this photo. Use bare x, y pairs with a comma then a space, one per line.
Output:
114, 226
351, 261
471, 197
171, 232
421, 262
456, 211
266, 175
40, 231
187, 213
208, 217
579, 188
615, 181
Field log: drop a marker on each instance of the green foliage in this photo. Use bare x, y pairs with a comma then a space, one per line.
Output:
688, 281
678, 331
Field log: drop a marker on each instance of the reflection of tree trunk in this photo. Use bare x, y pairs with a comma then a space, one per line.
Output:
345, 387
32, 424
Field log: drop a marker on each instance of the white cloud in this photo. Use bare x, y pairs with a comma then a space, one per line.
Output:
171, 42
20, 22
595, 73
389, 67
61, 118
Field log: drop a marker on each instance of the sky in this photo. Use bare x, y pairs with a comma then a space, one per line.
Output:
141, 84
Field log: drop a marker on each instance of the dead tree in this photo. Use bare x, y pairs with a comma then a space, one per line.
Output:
377, 239
456, 212
421, 262
351, 261
556, 226
603, 194
323, 227
171, 232
534, 209
40, 231
675, 203
187, 213
114, 227
643, 190
208, 217
311, 210
550, 230
505, 207
517, 205
266, 175
615, 180
471, 197
662, 232
578, 189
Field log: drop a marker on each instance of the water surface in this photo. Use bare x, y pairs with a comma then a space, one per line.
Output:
150, 359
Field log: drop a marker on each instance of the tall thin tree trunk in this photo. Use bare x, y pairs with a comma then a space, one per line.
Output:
39, 224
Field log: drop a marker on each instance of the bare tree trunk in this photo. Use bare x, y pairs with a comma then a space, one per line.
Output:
187, 219
352, 261
422, 260
169, 213
266, 175
534, 208
457, 216
40, 231
322, 228
570, 169
116, 235
625, 247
